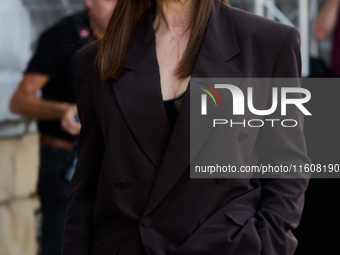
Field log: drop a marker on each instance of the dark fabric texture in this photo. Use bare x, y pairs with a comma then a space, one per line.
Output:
54, 57
132, 193
172, 108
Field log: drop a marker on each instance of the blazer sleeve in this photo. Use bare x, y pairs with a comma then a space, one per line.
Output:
282, 200
77, 231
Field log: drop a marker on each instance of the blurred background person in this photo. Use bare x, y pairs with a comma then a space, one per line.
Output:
327, 23
319, 230
51, 71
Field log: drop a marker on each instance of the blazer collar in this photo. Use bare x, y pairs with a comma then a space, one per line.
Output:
221, 32
139, 96
218, 47
138, 93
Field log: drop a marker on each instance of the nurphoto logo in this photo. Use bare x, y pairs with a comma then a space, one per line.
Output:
238, 104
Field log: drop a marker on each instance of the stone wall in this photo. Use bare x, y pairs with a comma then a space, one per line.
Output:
18, 203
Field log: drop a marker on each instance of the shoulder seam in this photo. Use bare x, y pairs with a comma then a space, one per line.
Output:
283, 45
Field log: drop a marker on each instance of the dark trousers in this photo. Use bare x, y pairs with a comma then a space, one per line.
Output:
53, 192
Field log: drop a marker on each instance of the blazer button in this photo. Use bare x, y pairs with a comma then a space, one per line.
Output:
121, 184
201, 221
242, 137
147, 221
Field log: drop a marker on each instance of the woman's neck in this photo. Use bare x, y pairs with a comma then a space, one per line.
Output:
174, 16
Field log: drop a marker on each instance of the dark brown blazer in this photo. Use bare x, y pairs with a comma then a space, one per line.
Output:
131, 193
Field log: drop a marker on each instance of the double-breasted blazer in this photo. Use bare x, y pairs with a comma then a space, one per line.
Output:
131, 193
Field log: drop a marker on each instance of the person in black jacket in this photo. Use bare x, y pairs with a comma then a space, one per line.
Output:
51, 70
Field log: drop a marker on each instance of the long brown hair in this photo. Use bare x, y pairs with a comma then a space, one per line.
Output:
122, 24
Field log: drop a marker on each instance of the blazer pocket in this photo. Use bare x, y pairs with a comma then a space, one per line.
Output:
108, 250
239, 216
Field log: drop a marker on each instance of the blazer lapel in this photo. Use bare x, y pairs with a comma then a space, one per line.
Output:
219, 45
139, 95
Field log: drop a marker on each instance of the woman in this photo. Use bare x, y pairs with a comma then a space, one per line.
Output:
131, 192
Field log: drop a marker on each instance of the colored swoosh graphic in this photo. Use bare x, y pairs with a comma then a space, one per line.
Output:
212, 89
208, 94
